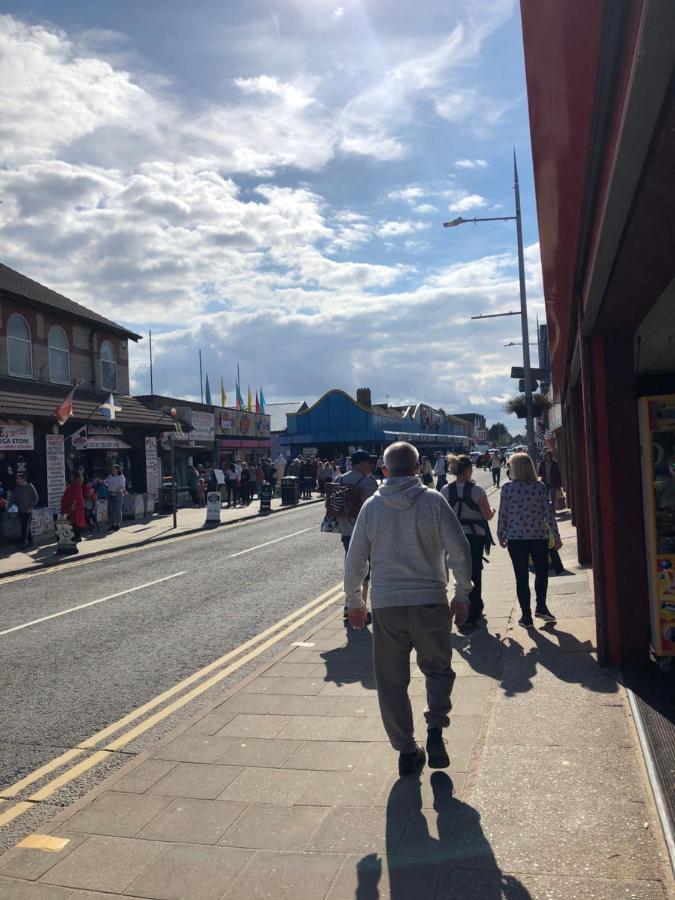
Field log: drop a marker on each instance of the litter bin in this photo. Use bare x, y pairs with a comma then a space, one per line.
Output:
290, 490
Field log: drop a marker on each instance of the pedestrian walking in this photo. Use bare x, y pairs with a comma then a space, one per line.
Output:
245, 484
115, 485
549, 472
470, 504
410, 535
24, 496
325, 474
440, 469
496, 466
193, 480
90, 506
232, 484
72, 505
259, 478
360, 479
427, 471
525, 519
307, 479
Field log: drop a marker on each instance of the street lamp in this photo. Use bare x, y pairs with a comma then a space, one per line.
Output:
527, 371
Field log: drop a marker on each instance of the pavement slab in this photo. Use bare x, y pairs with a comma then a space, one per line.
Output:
286, 876
104, 864
269, 827
200, 781
190, 872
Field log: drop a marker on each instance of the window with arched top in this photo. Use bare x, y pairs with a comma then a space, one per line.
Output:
108, 367
19, 347
59, 357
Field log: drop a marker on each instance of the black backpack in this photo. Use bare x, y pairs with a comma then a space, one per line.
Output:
467, 500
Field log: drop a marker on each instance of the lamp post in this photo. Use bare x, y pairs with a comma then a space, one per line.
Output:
527, 371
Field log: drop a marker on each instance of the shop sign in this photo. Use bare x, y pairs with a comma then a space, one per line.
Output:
245, 424
56, 470
262, 424
203, 426
16, 436
430, 419
228, 418
151, 467
83, 439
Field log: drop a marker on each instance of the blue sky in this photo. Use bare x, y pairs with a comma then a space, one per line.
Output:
267, 181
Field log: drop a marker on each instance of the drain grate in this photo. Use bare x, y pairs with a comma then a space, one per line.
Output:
654, 699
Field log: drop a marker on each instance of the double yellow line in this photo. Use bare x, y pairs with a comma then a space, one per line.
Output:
220, 668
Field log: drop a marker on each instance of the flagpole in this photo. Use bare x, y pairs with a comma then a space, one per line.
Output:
201, 383
152, 391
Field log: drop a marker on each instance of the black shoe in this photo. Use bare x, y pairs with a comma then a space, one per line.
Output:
526, 621
543, 612
410, 763
438, 755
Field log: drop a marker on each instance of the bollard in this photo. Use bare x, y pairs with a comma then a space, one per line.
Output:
265, 499
212, 509
65, 545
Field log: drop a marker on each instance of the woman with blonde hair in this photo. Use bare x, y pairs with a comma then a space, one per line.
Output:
525, 519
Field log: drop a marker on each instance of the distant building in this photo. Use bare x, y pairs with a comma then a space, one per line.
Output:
278, 423
480, 430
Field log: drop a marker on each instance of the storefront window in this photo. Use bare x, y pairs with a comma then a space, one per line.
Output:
19, 349
108, 367
59, 360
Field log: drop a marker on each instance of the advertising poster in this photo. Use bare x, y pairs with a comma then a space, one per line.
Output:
203, 425
151, 467
56, 470
227, 421
657, 435
246, 424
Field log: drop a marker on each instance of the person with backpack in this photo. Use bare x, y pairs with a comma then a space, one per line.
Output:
344, 500
470, 504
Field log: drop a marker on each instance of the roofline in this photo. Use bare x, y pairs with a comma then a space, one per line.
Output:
43, 304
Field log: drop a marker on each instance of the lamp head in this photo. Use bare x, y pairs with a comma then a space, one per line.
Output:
458, 221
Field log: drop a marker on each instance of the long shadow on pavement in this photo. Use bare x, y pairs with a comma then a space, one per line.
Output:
457, 865
353, 661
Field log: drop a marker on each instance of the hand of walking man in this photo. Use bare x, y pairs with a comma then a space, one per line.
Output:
557, 544
357, 618
460, 611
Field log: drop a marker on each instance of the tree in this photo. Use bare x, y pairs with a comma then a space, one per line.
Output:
499, 434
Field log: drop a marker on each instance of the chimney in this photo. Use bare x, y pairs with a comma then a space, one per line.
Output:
363, 397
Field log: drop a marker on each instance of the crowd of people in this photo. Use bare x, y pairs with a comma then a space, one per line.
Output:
402, 538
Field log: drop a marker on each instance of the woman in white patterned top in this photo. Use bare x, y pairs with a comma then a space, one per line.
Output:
525, 520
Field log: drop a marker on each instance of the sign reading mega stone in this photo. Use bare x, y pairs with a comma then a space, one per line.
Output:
16, 436
56, 470
151, 467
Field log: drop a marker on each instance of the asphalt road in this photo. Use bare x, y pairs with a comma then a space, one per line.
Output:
189, 601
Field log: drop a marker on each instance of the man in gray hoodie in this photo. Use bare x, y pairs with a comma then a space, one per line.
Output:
411, 536
25, 496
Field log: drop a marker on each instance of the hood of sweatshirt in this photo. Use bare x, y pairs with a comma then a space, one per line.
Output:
401, 493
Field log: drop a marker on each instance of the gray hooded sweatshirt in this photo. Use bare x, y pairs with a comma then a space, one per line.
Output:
411, 536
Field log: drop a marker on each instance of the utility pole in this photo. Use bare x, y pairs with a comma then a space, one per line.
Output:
527, 370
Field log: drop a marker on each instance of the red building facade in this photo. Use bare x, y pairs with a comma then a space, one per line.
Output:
602, 117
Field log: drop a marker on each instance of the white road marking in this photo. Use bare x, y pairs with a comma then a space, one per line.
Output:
72, 609
275, 541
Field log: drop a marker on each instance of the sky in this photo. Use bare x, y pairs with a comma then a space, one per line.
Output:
266, 180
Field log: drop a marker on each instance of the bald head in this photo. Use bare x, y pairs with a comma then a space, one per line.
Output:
401, 459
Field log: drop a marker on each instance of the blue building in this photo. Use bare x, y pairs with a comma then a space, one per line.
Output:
337, 424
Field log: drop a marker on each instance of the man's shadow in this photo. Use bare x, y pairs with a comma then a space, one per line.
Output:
457, 865
353, 661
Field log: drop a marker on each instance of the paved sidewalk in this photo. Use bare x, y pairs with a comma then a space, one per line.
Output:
286, 788
14, 560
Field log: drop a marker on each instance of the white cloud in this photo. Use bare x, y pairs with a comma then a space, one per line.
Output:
339, 12
425, 208
471, 164
414, 192
468, 202
396, 229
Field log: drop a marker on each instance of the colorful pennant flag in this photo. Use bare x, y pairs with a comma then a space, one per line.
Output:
240, 400
65, 410
208, 391
249, 400
223, 395
262, 402
257, 404
108, 409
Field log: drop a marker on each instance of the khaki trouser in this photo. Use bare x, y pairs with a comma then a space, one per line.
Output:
396, 631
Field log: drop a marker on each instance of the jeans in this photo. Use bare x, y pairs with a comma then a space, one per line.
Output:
477, 547
396, 631
115, 510
24, 521
232, 492
520, 552
441, 482
496, 475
